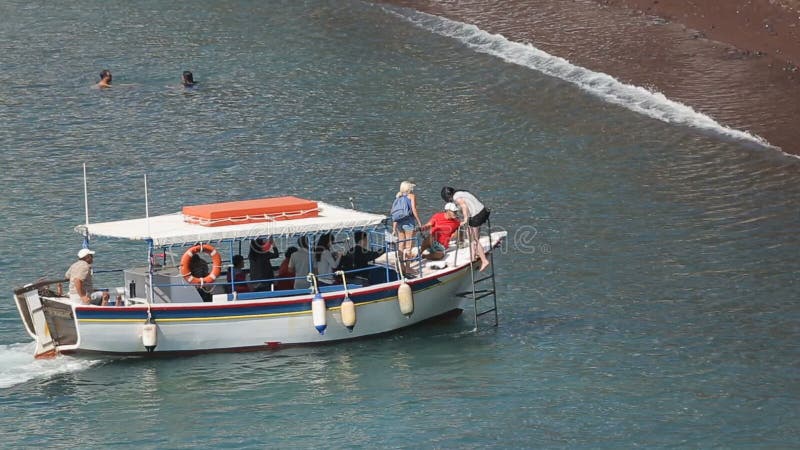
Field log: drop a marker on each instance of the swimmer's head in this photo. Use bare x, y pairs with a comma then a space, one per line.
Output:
106, 75
187, 78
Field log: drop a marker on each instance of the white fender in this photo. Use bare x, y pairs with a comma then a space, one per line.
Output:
149, 337
348, 313
318, 313
406, 299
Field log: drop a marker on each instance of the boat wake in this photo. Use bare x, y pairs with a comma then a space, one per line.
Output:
17, 365
634, 98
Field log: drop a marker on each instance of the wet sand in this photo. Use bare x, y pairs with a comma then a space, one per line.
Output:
736, 61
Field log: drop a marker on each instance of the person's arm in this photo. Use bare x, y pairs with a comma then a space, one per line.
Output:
85, 299
370, 255
464, 210
427, 225
413, 199
333, 260
273, 250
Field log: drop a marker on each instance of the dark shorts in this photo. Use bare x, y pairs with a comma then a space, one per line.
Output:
480, 218
407, 224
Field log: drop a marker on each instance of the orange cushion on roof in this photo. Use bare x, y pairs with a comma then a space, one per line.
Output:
250, 211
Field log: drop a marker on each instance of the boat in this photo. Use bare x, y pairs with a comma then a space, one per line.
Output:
160, 309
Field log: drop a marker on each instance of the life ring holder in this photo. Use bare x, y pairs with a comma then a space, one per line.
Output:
216, 267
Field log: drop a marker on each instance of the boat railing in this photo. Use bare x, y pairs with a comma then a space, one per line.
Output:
40, 286
388, 243
279, 292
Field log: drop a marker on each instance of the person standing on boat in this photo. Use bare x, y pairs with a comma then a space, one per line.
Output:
261, 252
442, 225
405, 220
474, 214
105, 79
81, 289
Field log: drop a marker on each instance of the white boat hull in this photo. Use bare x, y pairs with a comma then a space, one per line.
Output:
239, 325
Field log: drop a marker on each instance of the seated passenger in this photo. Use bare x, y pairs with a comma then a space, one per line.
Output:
198, 267
239, 275
360, 256
326, 260
442, 225
285, 272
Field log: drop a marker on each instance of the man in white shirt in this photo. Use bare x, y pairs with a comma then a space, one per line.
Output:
81, 289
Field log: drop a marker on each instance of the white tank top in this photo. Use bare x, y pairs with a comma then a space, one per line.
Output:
473, 204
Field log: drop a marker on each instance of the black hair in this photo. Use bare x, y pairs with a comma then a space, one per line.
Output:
238, 259
358, 235
188, 78
289, 251
104, 73
447, 193
323, 243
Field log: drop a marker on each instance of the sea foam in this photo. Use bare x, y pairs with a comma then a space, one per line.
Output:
17, 365
604, 86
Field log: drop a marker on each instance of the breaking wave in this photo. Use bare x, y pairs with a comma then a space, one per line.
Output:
634, 98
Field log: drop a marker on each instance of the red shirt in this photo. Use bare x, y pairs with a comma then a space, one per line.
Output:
240, 276
284, 272
443, 228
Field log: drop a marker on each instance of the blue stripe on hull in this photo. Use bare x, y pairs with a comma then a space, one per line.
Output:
243, 308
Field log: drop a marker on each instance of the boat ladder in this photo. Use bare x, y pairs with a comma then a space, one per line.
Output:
483, 286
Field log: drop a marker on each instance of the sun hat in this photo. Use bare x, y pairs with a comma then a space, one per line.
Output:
84, 252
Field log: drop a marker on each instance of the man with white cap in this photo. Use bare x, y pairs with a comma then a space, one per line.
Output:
81, 289
442, 225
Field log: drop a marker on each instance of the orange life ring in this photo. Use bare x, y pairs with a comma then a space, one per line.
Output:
216, 266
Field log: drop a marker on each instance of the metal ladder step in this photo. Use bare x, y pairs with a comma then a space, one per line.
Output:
481, 294
478, 294
487, 277
486, 311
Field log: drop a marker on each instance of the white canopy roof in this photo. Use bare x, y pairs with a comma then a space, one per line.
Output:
172, 229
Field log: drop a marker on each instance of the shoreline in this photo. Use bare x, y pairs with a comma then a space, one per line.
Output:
721, 63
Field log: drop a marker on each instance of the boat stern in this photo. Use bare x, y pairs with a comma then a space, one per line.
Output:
50, 322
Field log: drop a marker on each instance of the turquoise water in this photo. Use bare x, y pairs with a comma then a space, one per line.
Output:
648, 294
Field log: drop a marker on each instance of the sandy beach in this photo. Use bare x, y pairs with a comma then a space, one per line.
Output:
736, 61
764, 27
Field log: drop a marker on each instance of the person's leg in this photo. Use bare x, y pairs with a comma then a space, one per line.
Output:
407, 237
434, 255
477, 248
99, 298
426, 244
436, 251
401, 243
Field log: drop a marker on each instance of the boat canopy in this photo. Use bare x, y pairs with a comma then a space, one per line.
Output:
173, 229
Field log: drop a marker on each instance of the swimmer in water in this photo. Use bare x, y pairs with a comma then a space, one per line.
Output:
187, 79
105, 79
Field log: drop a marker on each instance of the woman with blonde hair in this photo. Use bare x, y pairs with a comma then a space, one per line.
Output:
405, 219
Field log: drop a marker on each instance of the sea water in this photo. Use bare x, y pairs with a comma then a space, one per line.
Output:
647, 291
